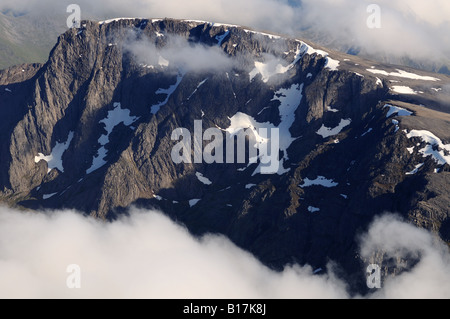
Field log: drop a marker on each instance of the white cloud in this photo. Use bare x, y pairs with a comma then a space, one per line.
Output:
142, 256
148, 256
430, 278
179, 53
408, 28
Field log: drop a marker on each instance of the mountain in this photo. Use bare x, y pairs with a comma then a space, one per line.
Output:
92, 129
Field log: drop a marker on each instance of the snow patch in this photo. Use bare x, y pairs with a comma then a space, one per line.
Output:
404, 74
114, 118
273, 67
54, 160
270, 36
266, 108
397, 110
47, 196
114, 20
395, 122
329, 64
327, 132
415, 170
222, 37
319, 181
195, 91
168, 92
312, 209
379, 82
332, 64
367, 132
194, 202
329, 109
403, 90
215, 24
289, 101
434, 146
203, 179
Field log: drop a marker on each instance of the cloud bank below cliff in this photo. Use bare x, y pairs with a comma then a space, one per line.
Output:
146, 255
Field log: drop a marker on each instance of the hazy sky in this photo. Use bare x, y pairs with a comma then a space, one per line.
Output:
417, 28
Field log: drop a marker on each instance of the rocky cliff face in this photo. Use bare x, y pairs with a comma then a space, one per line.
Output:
91, 130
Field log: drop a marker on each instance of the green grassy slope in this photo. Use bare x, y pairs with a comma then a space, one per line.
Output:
28, 38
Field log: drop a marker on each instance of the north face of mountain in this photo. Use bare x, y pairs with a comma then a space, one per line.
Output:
91, 130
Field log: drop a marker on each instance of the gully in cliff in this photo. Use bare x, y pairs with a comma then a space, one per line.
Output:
260, 141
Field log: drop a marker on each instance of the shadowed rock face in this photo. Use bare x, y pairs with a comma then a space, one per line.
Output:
92, 107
